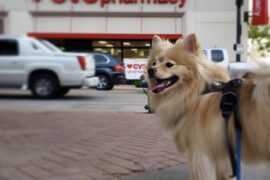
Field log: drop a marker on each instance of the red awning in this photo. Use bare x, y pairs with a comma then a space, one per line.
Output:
102, 36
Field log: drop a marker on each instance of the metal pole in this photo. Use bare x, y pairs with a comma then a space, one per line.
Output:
239, 4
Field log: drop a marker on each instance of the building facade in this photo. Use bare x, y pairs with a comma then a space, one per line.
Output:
123, 28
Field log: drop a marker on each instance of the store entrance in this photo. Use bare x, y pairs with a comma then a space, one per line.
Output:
119, 48
122, 46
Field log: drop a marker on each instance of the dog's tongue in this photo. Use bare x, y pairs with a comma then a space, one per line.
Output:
158, 87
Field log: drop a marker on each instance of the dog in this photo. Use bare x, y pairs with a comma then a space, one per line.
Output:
177, 76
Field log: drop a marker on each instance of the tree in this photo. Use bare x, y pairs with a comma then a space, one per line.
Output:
260, 38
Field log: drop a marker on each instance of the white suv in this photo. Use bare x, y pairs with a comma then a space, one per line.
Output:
26, 62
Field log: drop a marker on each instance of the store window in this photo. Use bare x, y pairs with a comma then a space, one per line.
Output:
110, 47
121, 49
136, 49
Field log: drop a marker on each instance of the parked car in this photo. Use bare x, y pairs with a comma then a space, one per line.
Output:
26, 62
109, 70
240, 68
218, 55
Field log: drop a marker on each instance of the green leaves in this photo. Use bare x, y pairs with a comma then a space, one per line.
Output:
260, 38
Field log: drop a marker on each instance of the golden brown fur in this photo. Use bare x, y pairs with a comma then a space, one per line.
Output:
194, 120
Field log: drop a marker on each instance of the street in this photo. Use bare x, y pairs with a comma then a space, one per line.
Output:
88, 134
122, 98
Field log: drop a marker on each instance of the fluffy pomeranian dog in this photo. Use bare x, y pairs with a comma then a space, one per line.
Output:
178, 75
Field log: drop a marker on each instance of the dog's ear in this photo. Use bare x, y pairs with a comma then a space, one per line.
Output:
156, 41
191, 44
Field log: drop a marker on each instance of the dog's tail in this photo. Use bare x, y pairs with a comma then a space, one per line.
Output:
260, 75
260, 67
258, 64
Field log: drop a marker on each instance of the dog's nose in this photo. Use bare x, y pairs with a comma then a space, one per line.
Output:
152, 71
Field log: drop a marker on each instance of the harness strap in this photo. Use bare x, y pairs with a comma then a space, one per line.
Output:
229, 106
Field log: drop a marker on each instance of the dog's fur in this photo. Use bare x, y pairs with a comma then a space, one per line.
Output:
194, 120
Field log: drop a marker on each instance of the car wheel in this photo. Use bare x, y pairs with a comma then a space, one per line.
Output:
44, 86
104, 83
64, 91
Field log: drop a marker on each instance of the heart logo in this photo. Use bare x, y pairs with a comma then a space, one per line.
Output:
129, 66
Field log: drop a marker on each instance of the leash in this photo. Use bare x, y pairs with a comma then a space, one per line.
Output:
229, 106
238, 155
238, 143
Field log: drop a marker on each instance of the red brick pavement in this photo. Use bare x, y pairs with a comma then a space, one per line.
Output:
81, 146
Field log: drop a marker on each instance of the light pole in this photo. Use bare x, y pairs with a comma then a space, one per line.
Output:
239, 4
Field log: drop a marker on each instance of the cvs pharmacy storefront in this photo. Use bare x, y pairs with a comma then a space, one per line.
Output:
123, 28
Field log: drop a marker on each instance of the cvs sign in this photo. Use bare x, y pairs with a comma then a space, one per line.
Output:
134, 68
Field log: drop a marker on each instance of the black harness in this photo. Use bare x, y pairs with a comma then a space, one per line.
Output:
229, 106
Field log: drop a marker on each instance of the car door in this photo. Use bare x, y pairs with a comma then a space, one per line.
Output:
10, 64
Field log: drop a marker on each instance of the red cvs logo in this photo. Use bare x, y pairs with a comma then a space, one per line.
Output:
129, 66
135, 66
138, 66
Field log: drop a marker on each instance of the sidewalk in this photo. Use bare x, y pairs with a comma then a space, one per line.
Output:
72, 145
181, 173
70, 142
172, 173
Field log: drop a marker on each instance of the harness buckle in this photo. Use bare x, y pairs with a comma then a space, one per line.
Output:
230, 97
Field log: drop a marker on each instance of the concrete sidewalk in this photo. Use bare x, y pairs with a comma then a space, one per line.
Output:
181, 173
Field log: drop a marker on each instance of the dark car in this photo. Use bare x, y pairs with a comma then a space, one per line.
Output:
109, 70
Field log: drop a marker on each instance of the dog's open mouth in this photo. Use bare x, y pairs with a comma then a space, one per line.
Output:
162, 84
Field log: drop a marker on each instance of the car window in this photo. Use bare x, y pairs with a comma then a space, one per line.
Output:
217, 55
9, 48
35, 47
100, 59
114, 58
50, 46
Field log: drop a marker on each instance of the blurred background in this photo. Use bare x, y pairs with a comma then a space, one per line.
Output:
124, 28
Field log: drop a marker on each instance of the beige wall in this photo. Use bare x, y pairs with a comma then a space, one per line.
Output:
149, 25
214, 22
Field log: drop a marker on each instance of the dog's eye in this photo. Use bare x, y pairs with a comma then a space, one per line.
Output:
169, 65
154, 63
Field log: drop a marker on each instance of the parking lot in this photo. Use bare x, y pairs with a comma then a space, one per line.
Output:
88, 134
